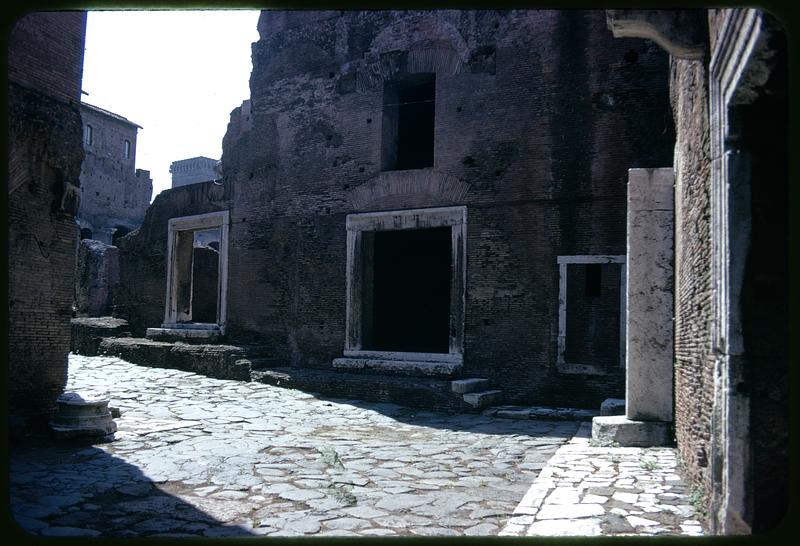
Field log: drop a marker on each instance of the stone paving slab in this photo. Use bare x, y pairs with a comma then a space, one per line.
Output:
196, 456
589, 490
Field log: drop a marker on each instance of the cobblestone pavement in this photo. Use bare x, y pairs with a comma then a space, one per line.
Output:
200, 456
589, 490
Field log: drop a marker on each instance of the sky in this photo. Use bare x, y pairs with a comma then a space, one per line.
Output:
178, 74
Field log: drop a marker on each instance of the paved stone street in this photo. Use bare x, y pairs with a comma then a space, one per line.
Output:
590, 490
200, 456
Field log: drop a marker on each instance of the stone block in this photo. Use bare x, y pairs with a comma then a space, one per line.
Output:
462, 386
628, 433
483, 399
613, 406
649, 298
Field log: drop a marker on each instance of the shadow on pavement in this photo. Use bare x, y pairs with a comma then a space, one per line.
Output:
71, 488
467, 422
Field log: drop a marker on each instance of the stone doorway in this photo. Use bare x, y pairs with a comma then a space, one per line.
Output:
197, 271
405, 284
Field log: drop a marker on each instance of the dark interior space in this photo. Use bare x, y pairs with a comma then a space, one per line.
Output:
409, 111
205, 276
765, 309
410, 296
593, 315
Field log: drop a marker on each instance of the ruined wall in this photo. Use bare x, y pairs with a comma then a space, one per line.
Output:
143, 253
96, 278
113, 192
45, 57
538, 117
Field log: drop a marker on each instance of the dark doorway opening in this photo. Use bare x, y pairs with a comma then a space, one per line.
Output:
407, 298
205, 278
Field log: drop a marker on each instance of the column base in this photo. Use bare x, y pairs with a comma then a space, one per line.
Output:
627, 433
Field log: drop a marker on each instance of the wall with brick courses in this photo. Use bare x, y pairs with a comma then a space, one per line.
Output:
48, 53
113, 192
143, 253
45, 62
694, 361
756, 133
539, 115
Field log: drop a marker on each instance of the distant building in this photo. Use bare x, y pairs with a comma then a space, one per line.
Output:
193, 170
114, 194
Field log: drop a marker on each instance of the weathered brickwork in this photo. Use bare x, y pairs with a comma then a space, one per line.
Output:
694, 361
48, 53
143, 253
732, 394
45, 62
538, 117
96, 278
114, 194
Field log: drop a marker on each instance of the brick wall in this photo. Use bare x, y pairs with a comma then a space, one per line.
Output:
753, 442
45, 154
694, 362
539, 115
46, 53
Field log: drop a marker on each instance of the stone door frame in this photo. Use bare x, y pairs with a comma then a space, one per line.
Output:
357, 225
563, 261
198, 222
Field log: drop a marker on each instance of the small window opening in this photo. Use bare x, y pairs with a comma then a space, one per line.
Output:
127, 150
593, 281
88, 135
409, 107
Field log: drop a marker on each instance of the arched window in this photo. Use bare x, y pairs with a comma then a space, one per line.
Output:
127, 150
88, 135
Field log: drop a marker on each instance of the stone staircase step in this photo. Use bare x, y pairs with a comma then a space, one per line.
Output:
463, 386
482, 399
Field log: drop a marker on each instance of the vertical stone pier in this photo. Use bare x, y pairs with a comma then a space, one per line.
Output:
649, 303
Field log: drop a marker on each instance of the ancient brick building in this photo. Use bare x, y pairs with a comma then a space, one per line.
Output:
114, 193
45, 63
728, 89
430, 193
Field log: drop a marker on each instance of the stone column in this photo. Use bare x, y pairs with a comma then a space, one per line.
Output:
649, 304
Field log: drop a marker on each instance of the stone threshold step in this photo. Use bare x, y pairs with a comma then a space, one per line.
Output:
540, 412
416, 368
205, 334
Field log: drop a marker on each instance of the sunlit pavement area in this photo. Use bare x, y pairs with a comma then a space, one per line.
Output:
195, 456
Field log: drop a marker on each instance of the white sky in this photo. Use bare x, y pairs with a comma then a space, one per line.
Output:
178, 74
